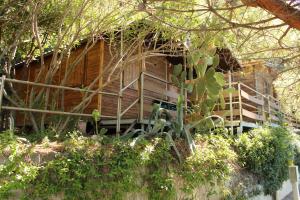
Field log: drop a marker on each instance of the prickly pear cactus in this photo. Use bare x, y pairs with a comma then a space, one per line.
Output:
204, 83
207, 84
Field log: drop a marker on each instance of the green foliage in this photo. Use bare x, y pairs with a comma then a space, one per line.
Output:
211, 164
96, 114
159, 175
266, 153
207, 87
92, 168
106, 172
15, 172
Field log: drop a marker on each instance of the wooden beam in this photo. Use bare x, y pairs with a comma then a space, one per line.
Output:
141, 84
252, 115
225, 113
2, 89
100, 83
240, 108
230, 100
252, 98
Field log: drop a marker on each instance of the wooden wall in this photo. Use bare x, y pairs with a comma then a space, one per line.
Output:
98, 61
257, 76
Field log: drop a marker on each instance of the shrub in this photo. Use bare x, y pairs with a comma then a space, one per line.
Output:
266, 152
108, 172
15, 171
159, 175
212, 162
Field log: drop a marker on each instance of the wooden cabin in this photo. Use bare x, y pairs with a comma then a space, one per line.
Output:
127, 98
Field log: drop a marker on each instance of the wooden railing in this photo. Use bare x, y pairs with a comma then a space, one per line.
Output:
251, 107
245, 104
119, 95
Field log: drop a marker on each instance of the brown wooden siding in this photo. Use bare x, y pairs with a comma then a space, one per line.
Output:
88, 69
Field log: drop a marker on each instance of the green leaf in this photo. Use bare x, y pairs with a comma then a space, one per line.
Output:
196, 56
103, 131
180, 99
96, 115
201, 68
229, 90
189, 87
209, 61
211, 51
177, 69
210, 74
216, 61
190, 60
209, 123
201, 87
183, 76
222, 100
175, 80
213, 89
220, 78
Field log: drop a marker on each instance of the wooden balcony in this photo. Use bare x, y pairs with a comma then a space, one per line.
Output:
247, 108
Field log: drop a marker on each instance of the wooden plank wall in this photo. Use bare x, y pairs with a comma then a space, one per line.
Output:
83, 74
155, 65
97, 61
259, 77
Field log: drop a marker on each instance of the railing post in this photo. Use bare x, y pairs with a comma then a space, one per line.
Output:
119, 110
141, 97
240, 108
230, 102
263, 110
2, 90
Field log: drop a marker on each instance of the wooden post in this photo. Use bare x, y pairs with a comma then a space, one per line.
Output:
263, 110
141, 86
2, 89
101, 64
119, 109
230, 101
269, 110
167, 80
142, 98
185, 91
293, 173
11, 121
240, 108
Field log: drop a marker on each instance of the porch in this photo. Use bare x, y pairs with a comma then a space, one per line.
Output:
245, 107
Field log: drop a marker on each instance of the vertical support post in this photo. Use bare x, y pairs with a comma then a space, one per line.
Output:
141, 86
142, 99
100, 83
240, 108
293, 173
269, 110
263, 110
11, 121
119, 109
230, 102
167, 80
2, 90
185, 91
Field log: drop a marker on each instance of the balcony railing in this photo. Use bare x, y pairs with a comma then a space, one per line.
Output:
246, 107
